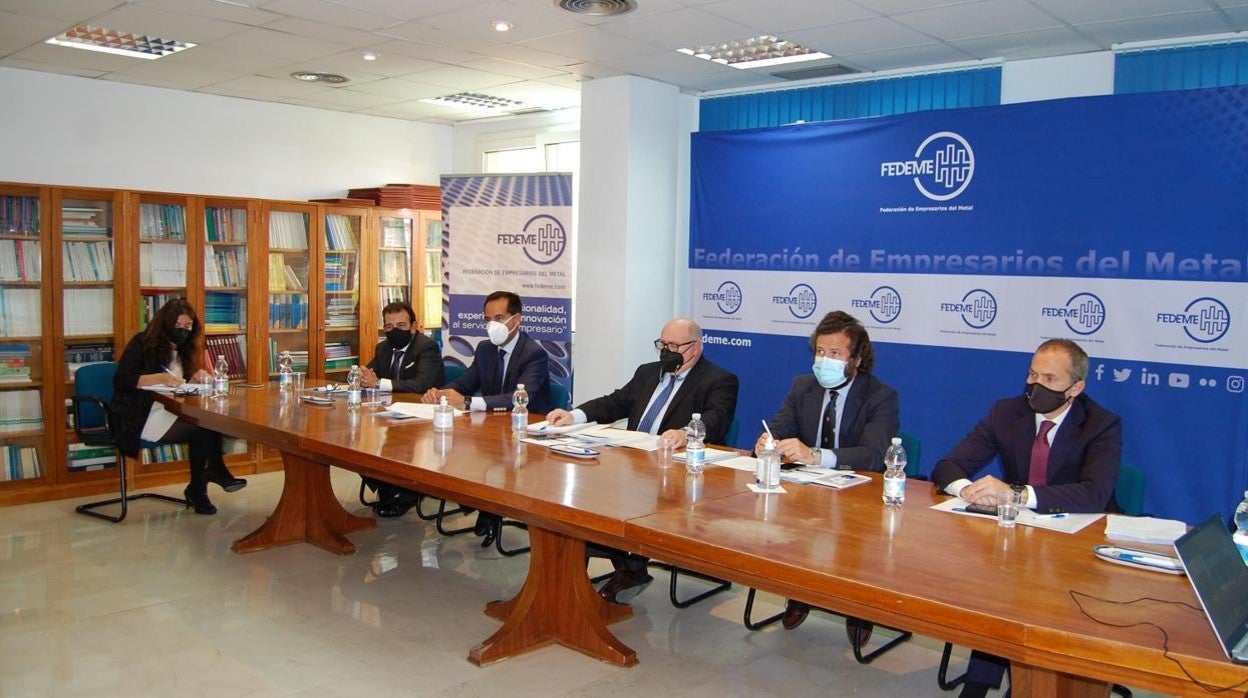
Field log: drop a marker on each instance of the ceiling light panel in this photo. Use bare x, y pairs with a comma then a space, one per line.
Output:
119, 43
755, 52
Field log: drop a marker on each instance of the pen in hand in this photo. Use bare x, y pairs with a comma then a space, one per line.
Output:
180, 379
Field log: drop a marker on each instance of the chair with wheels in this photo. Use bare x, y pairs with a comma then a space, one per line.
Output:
93, 391
1129, 494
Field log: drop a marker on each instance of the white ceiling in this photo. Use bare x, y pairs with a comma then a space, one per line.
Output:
429, 48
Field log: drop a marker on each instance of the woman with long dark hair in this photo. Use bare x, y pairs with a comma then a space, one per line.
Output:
168, 353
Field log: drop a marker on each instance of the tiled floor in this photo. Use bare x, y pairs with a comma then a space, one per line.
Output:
159, 605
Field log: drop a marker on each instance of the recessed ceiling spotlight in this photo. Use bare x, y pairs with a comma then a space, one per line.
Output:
502, 25
597, 8
315, 76
369, 56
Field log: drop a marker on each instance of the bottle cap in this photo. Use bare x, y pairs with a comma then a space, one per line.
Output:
519, 386
770, 443
896, 440
698, 415
442, 401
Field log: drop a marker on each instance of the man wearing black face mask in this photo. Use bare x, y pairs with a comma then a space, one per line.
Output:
660, 399
1057, 447
406, 362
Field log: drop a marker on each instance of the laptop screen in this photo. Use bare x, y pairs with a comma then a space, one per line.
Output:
1220, 577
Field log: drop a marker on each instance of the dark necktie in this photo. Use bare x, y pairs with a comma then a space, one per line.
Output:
1039, 474
656, 407
829, 422
396, 365
502, 369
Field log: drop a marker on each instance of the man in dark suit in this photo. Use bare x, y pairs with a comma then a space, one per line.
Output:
1058, 449
841, 417
507, 359
406, 362
660, 399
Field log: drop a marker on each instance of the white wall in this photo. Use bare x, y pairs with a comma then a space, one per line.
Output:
58, 129
469, 135
1081, 75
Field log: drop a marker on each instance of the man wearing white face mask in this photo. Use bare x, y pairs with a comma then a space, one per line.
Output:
509, 357
839, 416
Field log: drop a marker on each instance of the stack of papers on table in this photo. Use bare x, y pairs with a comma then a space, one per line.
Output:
828, 477
408, 410
1143, 529
713, 455
594, 434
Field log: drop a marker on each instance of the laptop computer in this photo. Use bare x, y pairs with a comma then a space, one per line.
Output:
1220, 578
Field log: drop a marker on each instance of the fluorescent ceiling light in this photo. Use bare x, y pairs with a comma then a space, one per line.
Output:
109, 41
755, 52
475, 101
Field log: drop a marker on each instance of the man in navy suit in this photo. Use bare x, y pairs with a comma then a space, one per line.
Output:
407, 361
660, 399
839, 416
1058, 449
507, 359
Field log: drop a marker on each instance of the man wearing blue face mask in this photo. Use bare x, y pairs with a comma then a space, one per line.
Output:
839, 416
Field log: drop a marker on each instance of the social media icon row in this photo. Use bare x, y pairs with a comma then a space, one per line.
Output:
1175, 379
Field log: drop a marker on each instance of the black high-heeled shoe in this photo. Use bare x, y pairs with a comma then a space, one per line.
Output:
225, 480
199, 501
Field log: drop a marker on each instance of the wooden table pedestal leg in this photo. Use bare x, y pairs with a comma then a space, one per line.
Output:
1028, 681
557, 604
307, 512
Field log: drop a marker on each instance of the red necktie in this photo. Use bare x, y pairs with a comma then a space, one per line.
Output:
1039, 474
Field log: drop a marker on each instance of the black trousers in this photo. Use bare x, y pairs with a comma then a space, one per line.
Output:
620, 559
206, 449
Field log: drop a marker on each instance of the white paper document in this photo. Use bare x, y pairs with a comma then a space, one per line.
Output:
1143, 529
413, 409
544, 427
713, 455
184, 389
827, 477
1066, 523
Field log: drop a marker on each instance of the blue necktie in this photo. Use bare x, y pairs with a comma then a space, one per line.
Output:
502, 369
656, 407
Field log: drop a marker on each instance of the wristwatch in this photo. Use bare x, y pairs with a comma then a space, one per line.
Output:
816, 456
1022, 492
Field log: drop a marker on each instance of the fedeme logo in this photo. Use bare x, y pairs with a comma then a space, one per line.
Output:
727, 297
884, 304
801, 301
978, 308
1204, 320
1083, 313
543, 239
942, 168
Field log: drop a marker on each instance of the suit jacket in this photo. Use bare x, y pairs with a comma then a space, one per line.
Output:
527, 365
421, 368
1083, 460
868, 425
708, 389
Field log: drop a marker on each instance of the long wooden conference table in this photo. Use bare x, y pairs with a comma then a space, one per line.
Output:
1012, 592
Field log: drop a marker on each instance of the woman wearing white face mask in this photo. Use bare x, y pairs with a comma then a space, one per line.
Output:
837, 416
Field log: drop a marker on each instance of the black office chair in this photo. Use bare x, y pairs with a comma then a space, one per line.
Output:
93, 391
1129, 493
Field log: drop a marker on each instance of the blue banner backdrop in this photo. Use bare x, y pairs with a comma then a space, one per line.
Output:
964, 238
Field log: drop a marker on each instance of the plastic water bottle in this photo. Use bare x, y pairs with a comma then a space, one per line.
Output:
1241, 528
443, 416
221, 378
353, 387
520, 410
895, 473
695, 445
767, 472
285, 369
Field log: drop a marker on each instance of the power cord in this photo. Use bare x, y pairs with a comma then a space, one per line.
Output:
1165, 637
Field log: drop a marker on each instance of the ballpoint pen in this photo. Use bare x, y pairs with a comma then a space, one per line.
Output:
1050, 516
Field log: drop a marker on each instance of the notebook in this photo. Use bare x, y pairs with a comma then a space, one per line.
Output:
1220, 578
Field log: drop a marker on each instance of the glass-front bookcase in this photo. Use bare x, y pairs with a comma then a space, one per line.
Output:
290, 258
341, 284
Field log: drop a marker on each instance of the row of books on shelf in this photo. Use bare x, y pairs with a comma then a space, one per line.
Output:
87, 261
288, 311
84, 221
225, 267
150, 302
299, 359
83, 457
19, 463
162, 265
288, 230
225, 224
340, 232
340, 311
165, 453
394, 267
340, 355
20, 260
20, 410
390, 294
224, 312
396, 232
20, 310
234, 348
162, 222
79, 355
19, 215
92, 311
283, 277
15, 363
339, 274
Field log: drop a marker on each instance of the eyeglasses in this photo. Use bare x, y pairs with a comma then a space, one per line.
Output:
672, 346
